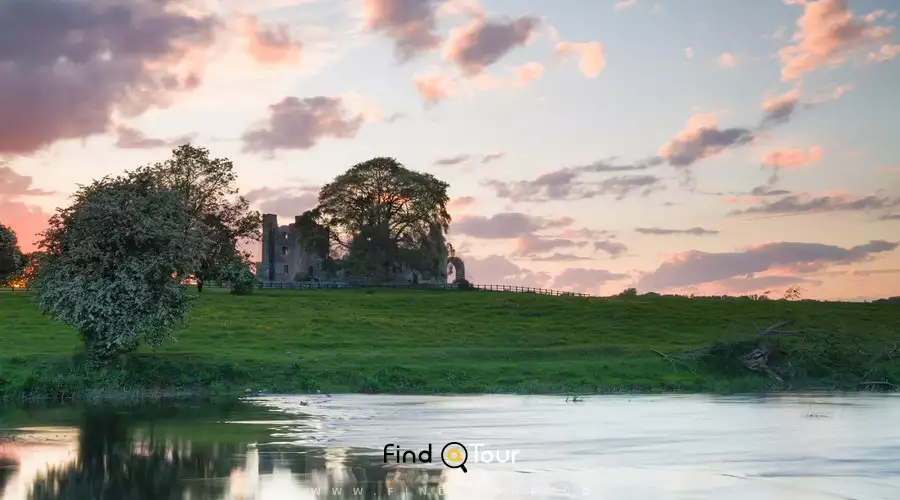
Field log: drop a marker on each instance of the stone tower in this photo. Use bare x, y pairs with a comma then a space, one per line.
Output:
284, 258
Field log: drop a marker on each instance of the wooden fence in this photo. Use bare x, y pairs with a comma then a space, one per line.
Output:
399, 286
312, 285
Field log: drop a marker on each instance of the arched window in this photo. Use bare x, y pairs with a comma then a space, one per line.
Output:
284, 250
284, 235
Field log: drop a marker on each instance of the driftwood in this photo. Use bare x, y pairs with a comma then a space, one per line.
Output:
675, 361
754, 355
757, 360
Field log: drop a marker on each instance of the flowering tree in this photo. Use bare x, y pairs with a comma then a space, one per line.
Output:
113, 263
11, 261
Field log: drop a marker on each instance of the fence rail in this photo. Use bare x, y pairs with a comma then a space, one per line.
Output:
313, 285
400, 286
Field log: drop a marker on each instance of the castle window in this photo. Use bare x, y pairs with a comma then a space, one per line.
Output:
284, 235
284, 250
285, 270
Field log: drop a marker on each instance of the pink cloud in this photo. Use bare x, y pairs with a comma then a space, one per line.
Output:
591, 59
625, 5
701, 138
269, 45
410, 23
792, 158
432, 87
295, 123
461, 203
26, 220
726, 60
528, 72
481, 43
827, 32
58, 86
885, 53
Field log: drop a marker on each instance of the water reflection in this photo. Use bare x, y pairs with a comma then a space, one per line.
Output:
291, 447
138, 455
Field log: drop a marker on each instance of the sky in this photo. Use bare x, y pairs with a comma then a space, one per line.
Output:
695, 146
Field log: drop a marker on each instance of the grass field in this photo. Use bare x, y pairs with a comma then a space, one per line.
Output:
448, 341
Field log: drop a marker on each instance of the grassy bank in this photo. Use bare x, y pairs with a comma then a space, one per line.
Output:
440, 341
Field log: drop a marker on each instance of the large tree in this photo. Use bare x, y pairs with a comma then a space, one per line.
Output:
218, 213
11, 258
114, 261
379, 209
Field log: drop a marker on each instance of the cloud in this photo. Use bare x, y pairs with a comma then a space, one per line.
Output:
461, 203
66, 68
792, 158
269, 44
26, 220
432, 87
884, 54
13, 184
410, 23
498, 270
464, 158
695, 267
624, 5
778, 34
491, 157
530, 244
506, 225
483, 42
295, 123
701, 138
613, 248
797, 204
585, 280
452, 160
778, 110
286, 201
558, 257
590, 55
527, 73
131, 138
826, 34
658, 231
689, 52
726, 60
568, 183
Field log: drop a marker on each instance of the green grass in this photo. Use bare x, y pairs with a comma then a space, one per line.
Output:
435, 342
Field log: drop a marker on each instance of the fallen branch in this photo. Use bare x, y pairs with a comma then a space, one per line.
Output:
775, 329
675, 361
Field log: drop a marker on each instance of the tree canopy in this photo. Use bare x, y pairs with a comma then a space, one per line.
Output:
379, 211
11, 259
113, 263
224, 218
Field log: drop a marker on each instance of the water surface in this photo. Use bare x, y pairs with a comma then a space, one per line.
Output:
609, 447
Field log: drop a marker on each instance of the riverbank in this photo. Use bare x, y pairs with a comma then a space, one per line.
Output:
456, 342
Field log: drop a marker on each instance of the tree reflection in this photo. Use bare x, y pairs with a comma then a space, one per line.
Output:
111, 464
7, 469
115, 462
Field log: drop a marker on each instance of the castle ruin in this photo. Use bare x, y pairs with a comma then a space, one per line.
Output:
298, 252
286, 255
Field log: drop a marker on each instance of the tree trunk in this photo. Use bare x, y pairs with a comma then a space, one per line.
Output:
199, 285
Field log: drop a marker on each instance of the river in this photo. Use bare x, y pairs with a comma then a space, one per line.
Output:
816, 446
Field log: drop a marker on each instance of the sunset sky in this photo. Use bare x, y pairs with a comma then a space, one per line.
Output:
690, 146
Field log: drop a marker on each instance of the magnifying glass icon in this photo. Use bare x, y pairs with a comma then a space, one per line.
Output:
454, 456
